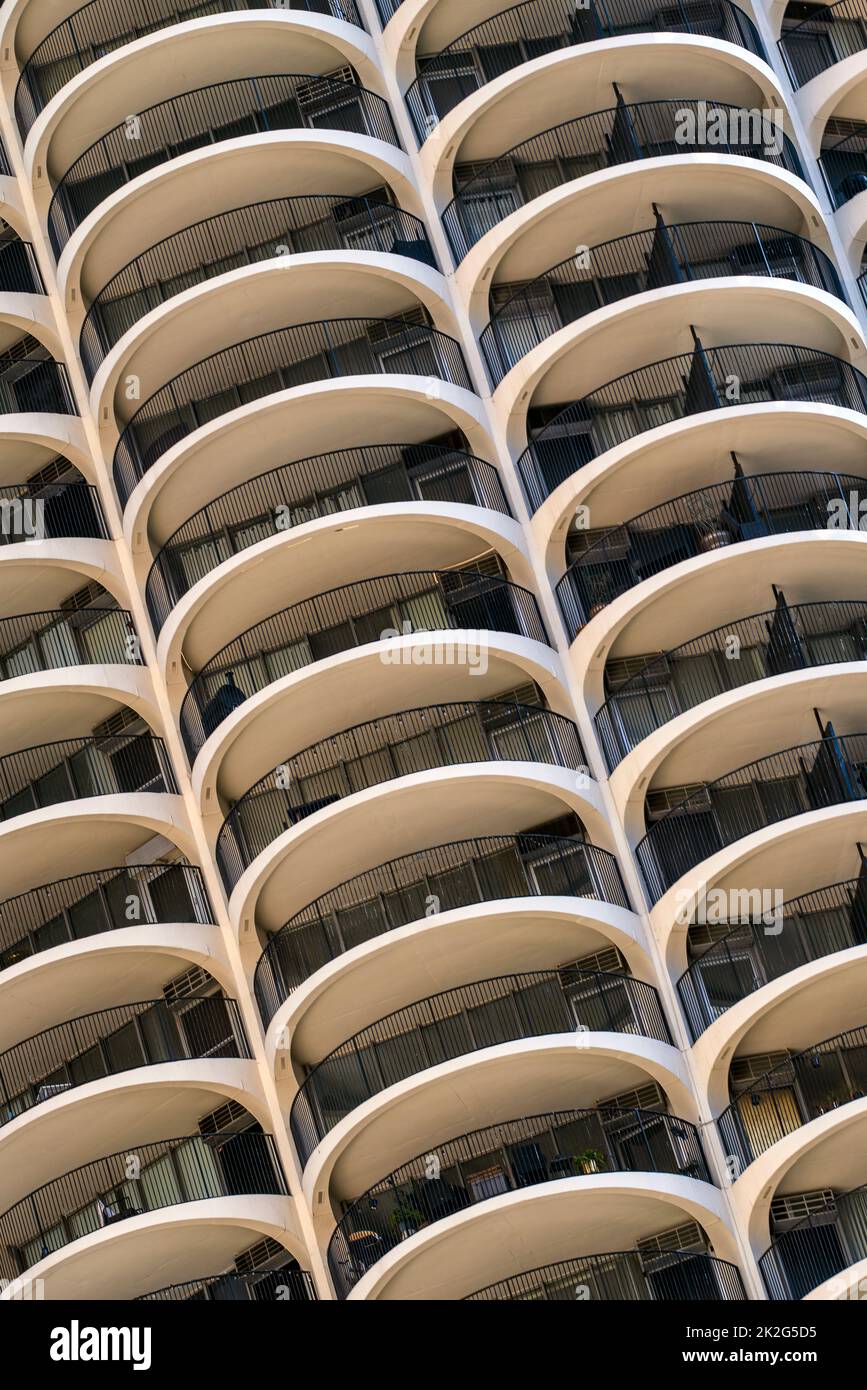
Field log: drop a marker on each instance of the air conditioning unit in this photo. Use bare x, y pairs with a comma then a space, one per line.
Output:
650, 1097
820, 1208
504, 175
319, 91
689, 1236
387, 330
666, 799
622, 669
266, 1254
194, 983
230, 1118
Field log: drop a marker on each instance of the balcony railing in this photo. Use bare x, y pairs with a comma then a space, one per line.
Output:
844, 166
507, 1157
715, 378
525, 31
699, 523
144, 1034
326, 484
757, 950
5, 166
206, 116
50, 511
244, 236
386, 9
457, 1022
354, 615
832, 33
57, 639
600, 140
85, 905
784, 639
194, 1168
287, 357
647, 260
809, 1084
494, 868
623, 1276
35, 384
394, 746
76, 768
822, 1245
266, 1286
103, 26
19, 270
808, 777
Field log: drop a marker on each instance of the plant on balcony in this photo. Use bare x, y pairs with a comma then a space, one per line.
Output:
704, 516
406, 1219
601, 593
589, 1161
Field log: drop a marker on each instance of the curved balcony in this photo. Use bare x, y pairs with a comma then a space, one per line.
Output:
323, 485
822, 1245
206, 116
277, 361
193, 1168
102, 26
33, 384
55, 640
506, 1158
809, 928
19, 270
619, 135
396, 745
353, 615
667, 254
73, 769
796, 638
50, 511
809, 1084
244, 236
268, 1286
110, 1041
457, 1022
106, 900
699, 523
808, 777
530, 30
677, 387
844, 166
493, 868
622, 1276
830, 34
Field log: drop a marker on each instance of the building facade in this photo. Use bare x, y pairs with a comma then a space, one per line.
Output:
433, 774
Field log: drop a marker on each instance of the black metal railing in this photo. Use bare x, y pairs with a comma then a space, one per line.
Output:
506, 1157
807, 1085
808, 777
206, 116
277, 361
699, 523
713, 378
817, 1248
294, 493
768, 942
5, 165
19, 270
244, 236
50, 511
667, 254
35, 384
57, 639
103, 26
843, 165
832, 33
265, 1286
146, 1033
75, 768
139, 1179
85, 905
624, 1276
380, 750
386, 9
601, 140
492, 868
459, 1021
525, 31
353, 615
733, 655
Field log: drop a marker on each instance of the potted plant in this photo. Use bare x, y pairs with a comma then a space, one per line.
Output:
589, 1161
406, 1219
601, 594
712, 534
